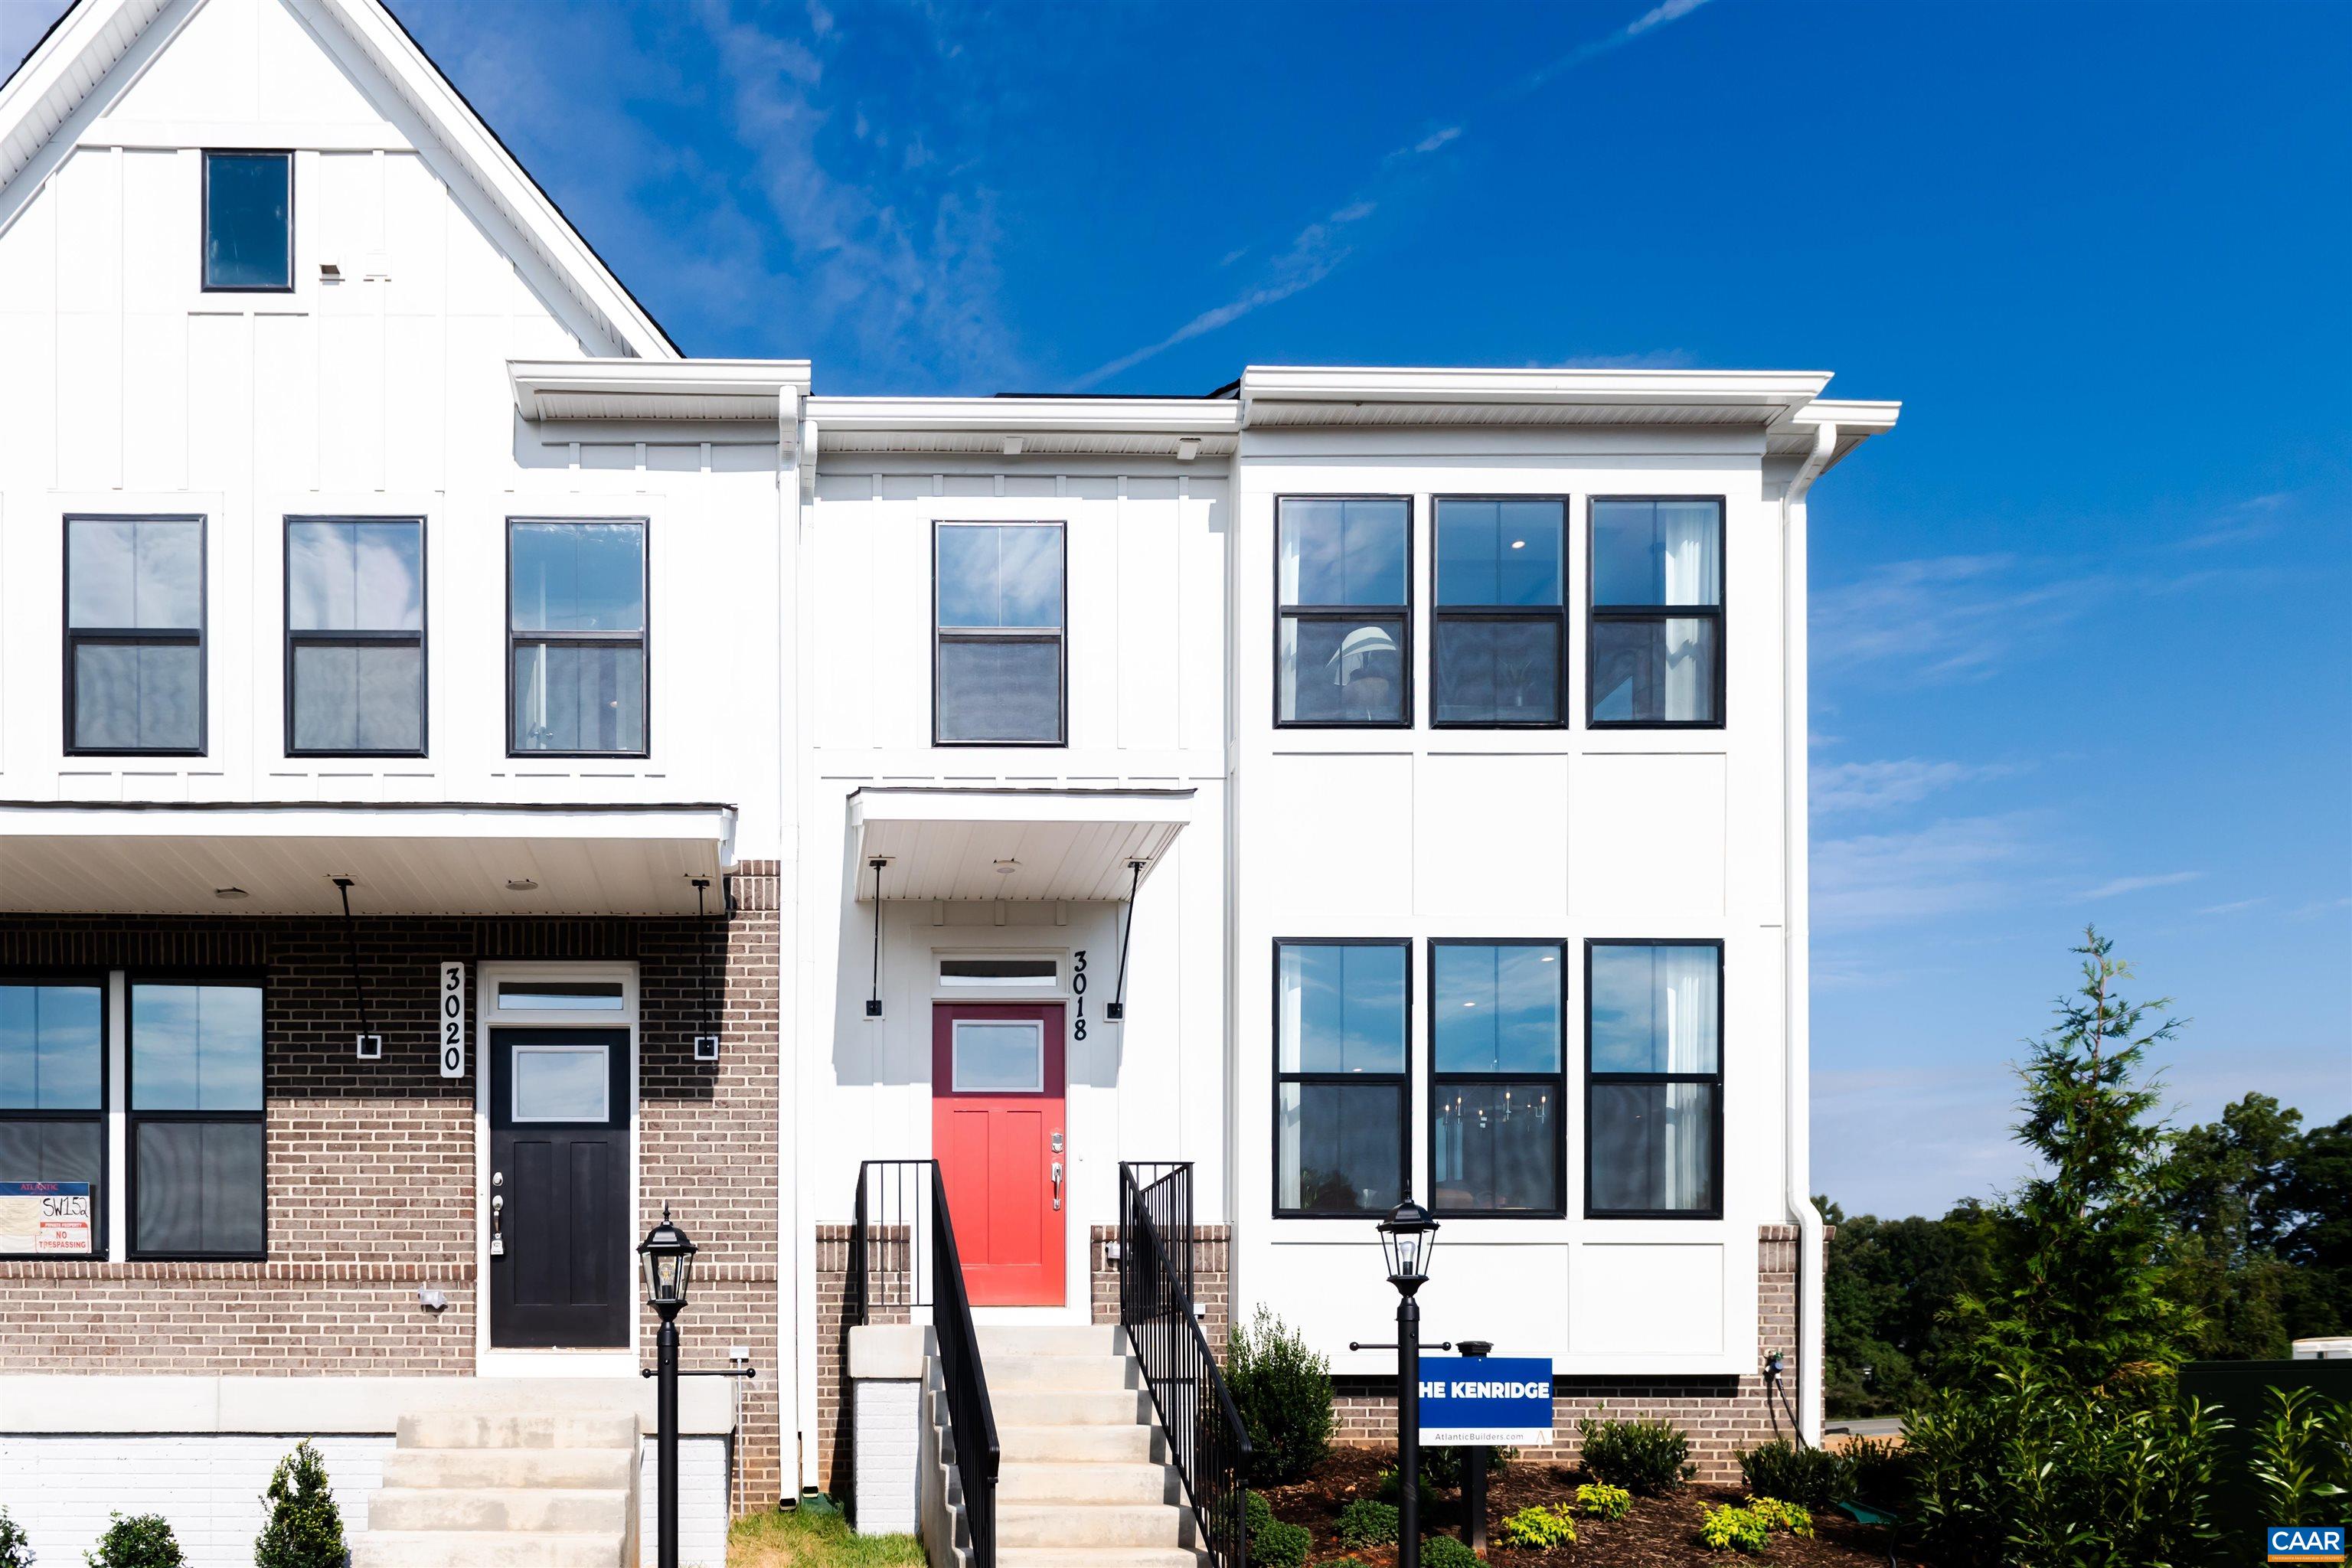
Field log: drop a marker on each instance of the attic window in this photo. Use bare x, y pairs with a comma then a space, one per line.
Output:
249, 221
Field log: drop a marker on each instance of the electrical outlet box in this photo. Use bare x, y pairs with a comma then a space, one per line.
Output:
371, 1047
705, 1048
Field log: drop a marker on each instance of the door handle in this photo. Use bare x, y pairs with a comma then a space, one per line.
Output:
497, 1215
1057, 1184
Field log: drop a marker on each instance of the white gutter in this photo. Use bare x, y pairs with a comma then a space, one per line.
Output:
1796, 986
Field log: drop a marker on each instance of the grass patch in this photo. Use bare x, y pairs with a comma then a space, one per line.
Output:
814, 1538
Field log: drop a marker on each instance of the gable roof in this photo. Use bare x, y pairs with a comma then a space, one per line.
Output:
70, 69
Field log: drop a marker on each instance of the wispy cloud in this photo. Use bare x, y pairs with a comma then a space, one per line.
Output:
2121, 884
1944, 618
1656, 16
2235, 906
1947, 867
1902, 781
2256, 517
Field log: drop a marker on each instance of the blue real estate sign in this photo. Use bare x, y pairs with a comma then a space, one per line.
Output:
1487, 1399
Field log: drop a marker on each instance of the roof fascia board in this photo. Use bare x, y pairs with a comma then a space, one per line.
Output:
1176, 415
44, 79
1850, 415
1775, 395
654, 379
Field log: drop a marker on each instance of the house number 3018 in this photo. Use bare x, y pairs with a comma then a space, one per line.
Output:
1079, 990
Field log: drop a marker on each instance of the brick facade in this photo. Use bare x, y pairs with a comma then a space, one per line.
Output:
370, 1165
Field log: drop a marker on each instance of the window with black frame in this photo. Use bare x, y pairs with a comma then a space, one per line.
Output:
196, 1120
1497, 1076
1655, 644
1502, 612
135, 635
249, 222
997, 647
53, 1087
1654, 1091
1342, 1096
576, 637
355, 637
1343, 587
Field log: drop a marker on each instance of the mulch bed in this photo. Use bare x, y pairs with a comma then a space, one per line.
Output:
1660, 1533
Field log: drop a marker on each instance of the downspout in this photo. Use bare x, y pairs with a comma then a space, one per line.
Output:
1796, 986
795, 1073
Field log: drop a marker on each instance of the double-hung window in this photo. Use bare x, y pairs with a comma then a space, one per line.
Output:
53, 1087
249, 222
1342, 1100
1657, 636
1654, 1095
1343, 591
1497, 1084
196, 1120
576, 637
997, 648
1502, 612
135, 635
354, 636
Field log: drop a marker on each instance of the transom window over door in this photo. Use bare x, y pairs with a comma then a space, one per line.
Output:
1341, 1096
576, 635
196, 1124
135, 635
355, 637
53, 1087
998, 645
1656, 634
1653, 1100
1343, 644
1497, 1077
1502, 612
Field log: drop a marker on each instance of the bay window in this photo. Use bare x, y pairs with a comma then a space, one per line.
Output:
1654, 1091
1341, 1098
1655, 641
1497, 1012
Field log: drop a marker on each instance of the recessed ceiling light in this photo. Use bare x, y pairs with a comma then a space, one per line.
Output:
1006, 868
521, 885
230, 893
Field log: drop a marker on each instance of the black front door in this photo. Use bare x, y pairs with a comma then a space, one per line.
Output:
560, 1228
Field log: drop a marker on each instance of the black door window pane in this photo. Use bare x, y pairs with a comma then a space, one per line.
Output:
1654, 1148
1339, 1150
997, 635
248, 228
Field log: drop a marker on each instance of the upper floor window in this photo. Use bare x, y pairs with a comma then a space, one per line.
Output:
1653, 1101
1343, 576
576, 637
195, 1121
1497, 1084
355, 635
1342, 1100
997, 648
134, 656
1656, 639
1502, 612
249, 221
52, 1087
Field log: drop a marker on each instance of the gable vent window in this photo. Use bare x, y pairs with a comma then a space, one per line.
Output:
249, 221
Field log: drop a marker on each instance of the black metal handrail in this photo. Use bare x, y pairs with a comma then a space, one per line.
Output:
1211, 1449
886, 1239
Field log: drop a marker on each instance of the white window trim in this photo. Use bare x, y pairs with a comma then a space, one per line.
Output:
944, 990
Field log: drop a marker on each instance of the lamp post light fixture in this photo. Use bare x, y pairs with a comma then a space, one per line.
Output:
1407, 1237
668, 1257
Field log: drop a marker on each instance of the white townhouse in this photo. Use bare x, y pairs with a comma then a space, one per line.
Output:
998, 867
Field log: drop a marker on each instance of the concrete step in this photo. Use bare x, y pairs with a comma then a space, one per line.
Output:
1050, 1339
1069, 1408
1133, 1443
1097, 1526
1101, 1557
559, 1510
1008, 1372
1020, 1481
596, 1467
462, 1549
569, 1429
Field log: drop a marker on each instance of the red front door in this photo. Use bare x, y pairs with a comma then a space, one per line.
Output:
996, 1130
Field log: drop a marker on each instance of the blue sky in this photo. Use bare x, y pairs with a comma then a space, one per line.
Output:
2081, 641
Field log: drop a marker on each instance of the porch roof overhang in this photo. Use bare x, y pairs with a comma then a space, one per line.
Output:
1021, 844
436, 858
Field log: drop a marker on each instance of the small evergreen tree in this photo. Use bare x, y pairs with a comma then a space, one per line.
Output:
137, 1540
305, 1528
1283, 1390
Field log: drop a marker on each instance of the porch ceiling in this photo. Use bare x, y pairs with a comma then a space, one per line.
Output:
438, 860
1033, 845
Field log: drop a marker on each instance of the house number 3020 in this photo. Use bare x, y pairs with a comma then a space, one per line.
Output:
1079, 990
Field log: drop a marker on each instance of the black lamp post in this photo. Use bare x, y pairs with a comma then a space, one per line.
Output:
668, 1259
1407, 1236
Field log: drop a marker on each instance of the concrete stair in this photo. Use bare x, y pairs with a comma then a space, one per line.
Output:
500, 1489
1083, 1478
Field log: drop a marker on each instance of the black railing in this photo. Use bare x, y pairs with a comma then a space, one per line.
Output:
1212, 1451
902, 1203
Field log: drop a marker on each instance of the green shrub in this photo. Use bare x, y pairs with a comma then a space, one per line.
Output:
1280, 1545
1813, 1476
140, 1541
15, 1546
1284, 1393
1645, 1457
2302, 1455
1446, 1552
1601, 1500
305, 1529
1256, 1514
1366, 1522
1539, 1528
1777, 1514
1878, 1471
1734, 1529
1391, 1486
